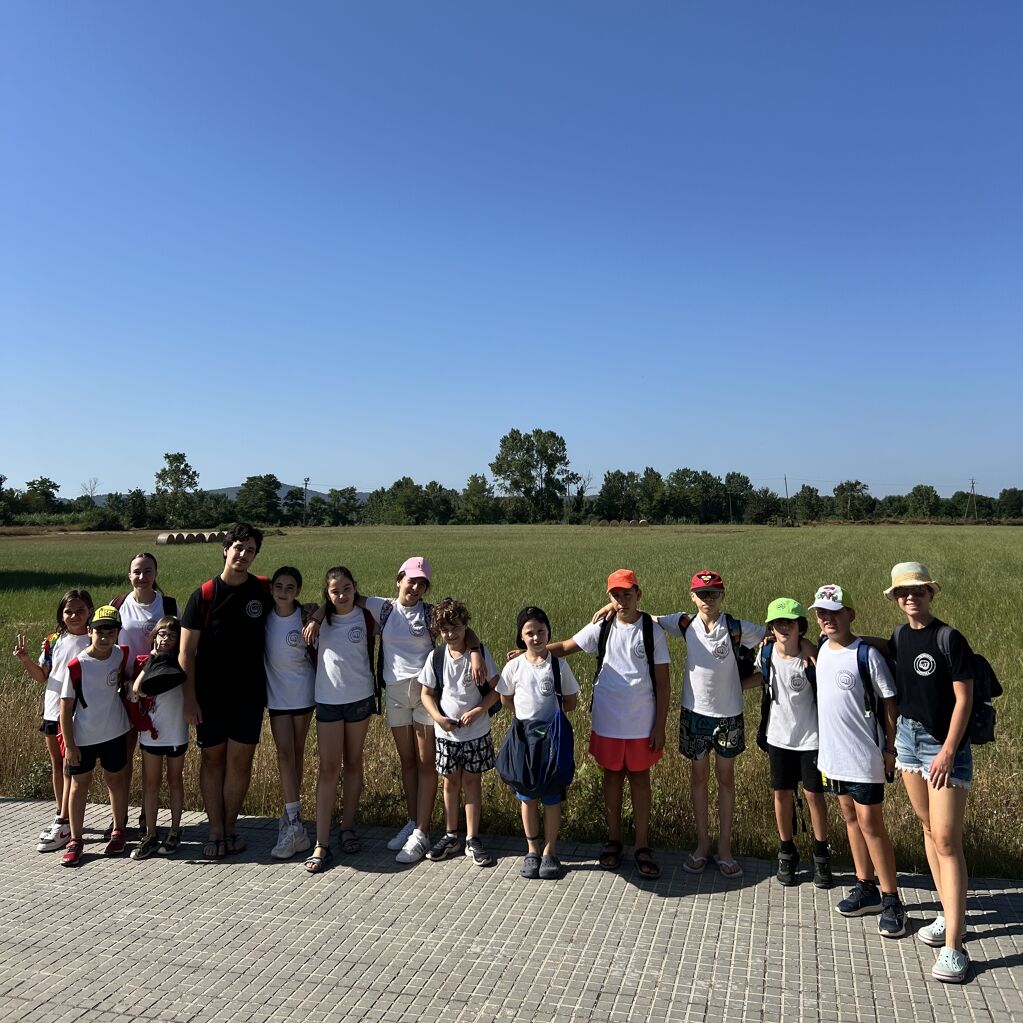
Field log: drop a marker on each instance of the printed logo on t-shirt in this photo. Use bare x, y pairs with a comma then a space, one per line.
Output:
112, 678
721, 650
417, 628
640, 648
148, 627
355, 634
924, 664
845, 679
254, 608
546, 686
293, 638
798, 682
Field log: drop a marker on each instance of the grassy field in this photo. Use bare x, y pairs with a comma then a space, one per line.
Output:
496, 570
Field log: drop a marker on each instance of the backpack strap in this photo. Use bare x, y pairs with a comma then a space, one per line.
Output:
684, 621
170, 606
74, 672
119, 600
264, 582
385, 613
602, 636
767, 667
371, 646
206, 601
427, 618
556, 670
734, 627
438, 673
140, 664
648, 645
869, 696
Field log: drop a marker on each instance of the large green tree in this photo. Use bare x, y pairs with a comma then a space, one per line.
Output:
258, 499
534, 467
174, 503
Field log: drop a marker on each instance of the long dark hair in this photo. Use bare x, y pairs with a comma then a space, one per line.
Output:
337, 572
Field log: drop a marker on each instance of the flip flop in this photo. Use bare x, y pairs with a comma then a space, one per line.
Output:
695, 864
234, 844
729, 868
214, 849
611, 855
645, 863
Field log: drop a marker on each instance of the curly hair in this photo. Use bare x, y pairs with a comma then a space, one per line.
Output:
448, 612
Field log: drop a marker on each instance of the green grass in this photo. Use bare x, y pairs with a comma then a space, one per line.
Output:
496, 570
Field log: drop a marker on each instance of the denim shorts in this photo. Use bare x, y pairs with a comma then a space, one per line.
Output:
915, 748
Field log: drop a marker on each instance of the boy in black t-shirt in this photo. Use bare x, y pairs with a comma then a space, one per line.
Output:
222, 636
934, 696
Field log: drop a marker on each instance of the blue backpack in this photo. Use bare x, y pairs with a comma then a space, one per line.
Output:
537, 757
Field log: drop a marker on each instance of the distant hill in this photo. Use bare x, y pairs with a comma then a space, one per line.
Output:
232, 492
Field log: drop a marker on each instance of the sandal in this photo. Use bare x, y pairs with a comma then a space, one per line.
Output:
317, 862
729, 868
645, 864
349, 846
171, 842
694, 864
530, 866
550, 868
611, 855
234, 844
214, 849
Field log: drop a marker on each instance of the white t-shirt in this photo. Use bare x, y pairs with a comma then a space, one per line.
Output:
623, 693
850, 742
342, 664
137, 622
56, 658
459, 694
532, 686
406, 640
711, 684
105, 717
793, 721
290, 676
168, 716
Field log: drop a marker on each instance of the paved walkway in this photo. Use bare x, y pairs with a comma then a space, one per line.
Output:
250, 940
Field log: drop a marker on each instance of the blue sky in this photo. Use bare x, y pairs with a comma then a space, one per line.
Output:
360, 241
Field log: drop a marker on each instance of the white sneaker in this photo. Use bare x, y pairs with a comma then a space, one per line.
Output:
45, 833
285, 847
56, 838
415, 848
399, 840
301, 837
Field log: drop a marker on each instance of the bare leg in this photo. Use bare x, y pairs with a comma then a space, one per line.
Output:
61, 786
818, 814
212, 765
551, 827
176, 788
862, 863
783, 813
875, 834
452, 791
472, 785
699, 778
78, 788
948, 807
330, 739
405, 744
117, 787
351, 785
724, 768
426, 785
531, 824
284, 739
236, 781
152, 776
639, 789
614, 782
300, 731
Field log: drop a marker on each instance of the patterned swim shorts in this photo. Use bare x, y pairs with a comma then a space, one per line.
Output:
474, 756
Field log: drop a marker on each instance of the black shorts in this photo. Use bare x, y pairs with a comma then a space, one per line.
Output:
349, 713
112, 755
165, 751
240, 722
789, 767
49, 727
290, 713
863, 792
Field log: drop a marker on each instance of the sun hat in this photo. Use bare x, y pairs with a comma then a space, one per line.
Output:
530, 614
784, 607
106, 616
622, 579
707, 581
416, 568
910, 573
832, 597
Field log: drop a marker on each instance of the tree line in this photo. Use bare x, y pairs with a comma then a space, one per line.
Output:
531, 481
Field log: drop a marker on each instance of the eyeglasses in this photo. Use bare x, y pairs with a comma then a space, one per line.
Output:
165, 633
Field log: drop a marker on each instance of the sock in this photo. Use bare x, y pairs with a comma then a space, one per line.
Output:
821, 848
867, 885
451, 834
61, 820
890, 895
416, 833
291, 809
789, 847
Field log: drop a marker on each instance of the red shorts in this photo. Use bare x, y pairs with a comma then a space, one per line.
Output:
632, 755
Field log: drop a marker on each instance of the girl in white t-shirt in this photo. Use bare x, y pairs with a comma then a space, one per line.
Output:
528, 690
140, 610
290, 701
58, 650
345, 701
159, 685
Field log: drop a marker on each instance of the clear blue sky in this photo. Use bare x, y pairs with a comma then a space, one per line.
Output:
358, 241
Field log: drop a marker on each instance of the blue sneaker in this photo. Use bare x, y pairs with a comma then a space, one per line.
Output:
863, 898
892, 922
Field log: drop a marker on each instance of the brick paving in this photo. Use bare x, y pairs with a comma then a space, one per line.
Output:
251, 940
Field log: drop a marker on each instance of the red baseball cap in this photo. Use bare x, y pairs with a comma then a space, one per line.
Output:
707, 581
622, 579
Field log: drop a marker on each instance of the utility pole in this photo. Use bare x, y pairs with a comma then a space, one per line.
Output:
305, 500
788, 506
973, 498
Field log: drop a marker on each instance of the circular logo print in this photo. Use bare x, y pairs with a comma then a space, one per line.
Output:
293, 638
798, 682
356, 633
546, 686
112, 678
148, 627
417, 628
641, 649
924, 664
254, 608
721, 650
846, 680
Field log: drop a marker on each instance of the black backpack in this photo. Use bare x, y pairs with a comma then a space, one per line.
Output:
985, 687
648, 646
438, 674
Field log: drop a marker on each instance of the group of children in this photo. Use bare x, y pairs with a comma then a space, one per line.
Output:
830, 721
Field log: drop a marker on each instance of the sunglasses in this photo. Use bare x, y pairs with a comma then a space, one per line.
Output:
911, 591
709, 594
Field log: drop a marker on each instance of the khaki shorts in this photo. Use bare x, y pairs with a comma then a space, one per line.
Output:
404, 702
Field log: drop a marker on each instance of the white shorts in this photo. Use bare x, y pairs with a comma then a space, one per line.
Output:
404, 702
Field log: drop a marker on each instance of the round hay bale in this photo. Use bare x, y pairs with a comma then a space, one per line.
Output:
163, 538
221, 535
643, 522
211, 536
190, 538
633, 522
179, 537
614, 522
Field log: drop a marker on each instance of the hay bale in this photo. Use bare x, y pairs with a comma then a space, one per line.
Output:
179, 537
190, 537
603, 522
164, 538
210, 536
634, 522
643, 522
614, 522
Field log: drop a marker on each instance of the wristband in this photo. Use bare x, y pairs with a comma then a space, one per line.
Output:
893, 752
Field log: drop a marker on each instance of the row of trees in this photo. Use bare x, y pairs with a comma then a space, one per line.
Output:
532, 481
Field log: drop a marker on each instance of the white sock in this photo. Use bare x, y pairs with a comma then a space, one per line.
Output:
291, 810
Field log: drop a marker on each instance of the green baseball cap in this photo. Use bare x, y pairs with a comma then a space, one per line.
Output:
784, 607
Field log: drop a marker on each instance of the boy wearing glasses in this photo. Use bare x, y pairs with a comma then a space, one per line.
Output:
712, 717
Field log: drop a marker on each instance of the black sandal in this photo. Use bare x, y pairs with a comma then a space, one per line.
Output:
317, 864
611, 855
645, 863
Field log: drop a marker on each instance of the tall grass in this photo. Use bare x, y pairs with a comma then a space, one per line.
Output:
497, 570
